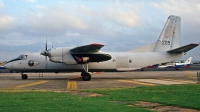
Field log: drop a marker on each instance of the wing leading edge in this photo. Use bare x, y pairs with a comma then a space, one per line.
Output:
183, 49
95, 47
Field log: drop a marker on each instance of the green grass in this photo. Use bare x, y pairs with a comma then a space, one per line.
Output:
187, 96
177, 95
51, 101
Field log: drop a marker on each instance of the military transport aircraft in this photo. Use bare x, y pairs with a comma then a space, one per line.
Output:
89, 58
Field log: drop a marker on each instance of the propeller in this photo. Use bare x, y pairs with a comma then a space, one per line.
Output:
45, 53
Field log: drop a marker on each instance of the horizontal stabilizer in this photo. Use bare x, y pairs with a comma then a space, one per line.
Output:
182, 49
87, 48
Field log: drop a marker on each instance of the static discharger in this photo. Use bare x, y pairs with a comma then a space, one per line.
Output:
71, 85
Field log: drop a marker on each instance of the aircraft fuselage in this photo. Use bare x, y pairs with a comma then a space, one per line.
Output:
34, 62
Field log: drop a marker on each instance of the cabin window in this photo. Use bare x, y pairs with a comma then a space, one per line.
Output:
130, 61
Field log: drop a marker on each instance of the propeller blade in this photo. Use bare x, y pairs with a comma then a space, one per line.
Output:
46, 45
46, 61
45, 53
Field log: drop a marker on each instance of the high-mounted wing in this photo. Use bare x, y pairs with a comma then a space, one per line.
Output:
89, 53
183, 49
87, 48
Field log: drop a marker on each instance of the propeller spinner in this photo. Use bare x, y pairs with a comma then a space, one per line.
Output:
45, 53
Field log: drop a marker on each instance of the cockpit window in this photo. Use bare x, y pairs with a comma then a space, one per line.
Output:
22, 56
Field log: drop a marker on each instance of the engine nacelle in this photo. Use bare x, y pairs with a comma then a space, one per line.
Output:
61, 55
81, 60
64, 55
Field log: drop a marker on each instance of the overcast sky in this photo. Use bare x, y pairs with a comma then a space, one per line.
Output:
120, 25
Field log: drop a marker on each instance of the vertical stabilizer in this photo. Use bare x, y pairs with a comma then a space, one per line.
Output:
188, 61
170, 36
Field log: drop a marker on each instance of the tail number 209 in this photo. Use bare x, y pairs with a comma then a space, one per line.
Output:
165, 42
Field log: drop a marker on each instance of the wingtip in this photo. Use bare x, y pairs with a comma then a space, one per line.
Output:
97, 44
194, 44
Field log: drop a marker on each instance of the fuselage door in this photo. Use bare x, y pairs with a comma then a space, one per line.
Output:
122, 62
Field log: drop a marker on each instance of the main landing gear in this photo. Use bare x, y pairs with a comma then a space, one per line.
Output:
85, 75
24, 76
176, 68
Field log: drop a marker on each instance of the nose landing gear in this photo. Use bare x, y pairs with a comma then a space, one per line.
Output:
24, 76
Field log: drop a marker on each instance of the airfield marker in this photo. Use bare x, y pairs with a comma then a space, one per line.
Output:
137, 82
71, 85
29, 84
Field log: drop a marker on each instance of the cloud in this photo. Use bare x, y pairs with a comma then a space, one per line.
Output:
128, 18
7, 22
30, 0
116, 17
123, 14
81, 20
72, 34
189, 9
54, 19
1, 4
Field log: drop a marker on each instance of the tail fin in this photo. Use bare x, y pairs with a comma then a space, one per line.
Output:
169, 38
188, 61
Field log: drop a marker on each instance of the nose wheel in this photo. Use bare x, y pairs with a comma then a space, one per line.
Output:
24, 76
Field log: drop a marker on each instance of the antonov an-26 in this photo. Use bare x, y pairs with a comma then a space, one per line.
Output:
89, 58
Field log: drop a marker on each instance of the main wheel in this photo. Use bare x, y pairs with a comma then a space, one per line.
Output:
177, 68
24, 76
86, 76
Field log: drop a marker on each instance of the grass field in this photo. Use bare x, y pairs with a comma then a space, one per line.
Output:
186, 96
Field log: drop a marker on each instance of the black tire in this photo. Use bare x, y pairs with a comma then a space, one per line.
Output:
24, 76
83, 73
86, 76
177, 68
